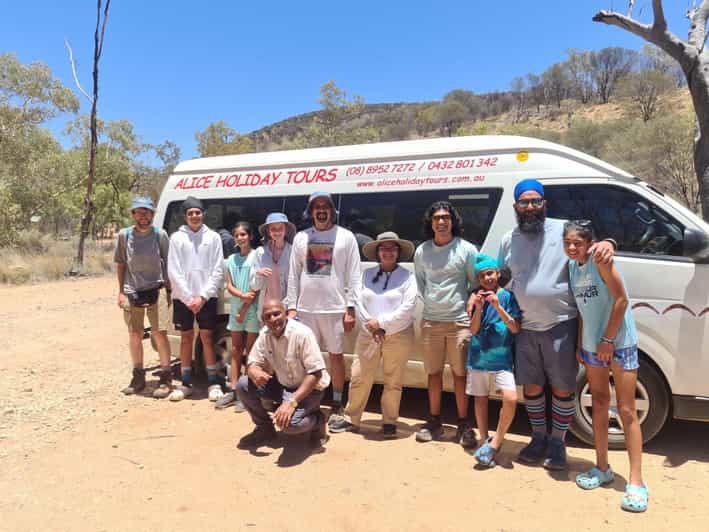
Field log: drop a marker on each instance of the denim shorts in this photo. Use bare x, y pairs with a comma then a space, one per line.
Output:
625, 357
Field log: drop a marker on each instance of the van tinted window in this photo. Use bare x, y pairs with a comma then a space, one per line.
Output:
366, 215
636, 224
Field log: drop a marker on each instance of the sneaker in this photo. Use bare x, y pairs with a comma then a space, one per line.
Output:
164, 387
260, 435
214, 392
137, 383
318, 436
432, 430
179, 393
535, 449
226, 400
337, 416
341, 425
556, 455
239, 406
465, 435
388, 431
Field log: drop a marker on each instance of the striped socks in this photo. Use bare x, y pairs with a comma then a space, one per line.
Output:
536, 410
562, 413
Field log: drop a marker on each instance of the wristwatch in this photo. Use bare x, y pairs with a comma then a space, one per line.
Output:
293, 402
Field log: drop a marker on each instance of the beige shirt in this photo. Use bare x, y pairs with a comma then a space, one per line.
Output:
292, 357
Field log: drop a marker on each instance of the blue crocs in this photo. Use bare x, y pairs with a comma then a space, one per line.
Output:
485, 454
635, 498
594, 478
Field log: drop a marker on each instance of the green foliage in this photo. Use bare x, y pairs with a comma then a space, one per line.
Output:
219, 139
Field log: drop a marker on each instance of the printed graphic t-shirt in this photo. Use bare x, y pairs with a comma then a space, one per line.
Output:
324, 274
491, 348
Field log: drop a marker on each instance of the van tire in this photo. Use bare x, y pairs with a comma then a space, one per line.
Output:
653, 399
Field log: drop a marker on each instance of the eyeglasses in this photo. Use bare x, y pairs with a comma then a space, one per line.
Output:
382, 247
441, 217
578, 223
534, 202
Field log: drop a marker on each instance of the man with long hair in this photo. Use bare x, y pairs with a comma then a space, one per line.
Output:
444, 266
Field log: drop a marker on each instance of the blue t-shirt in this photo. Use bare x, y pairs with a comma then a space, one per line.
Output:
491, 348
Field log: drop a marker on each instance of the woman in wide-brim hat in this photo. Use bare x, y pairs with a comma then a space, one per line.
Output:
271, 265
386, 315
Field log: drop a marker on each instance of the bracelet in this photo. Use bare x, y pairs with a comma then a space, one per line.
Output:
606, 340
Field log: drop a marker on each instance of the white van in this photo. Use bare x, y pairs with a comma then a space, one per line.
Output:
663, 249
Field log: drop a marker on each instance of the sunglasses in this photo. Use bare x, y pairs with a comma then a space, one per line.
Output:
535, 202
441, 218
578, 223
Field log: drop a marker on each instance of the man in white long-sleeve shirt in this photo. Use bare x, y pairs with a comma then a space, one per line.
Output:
195, 267
324, 284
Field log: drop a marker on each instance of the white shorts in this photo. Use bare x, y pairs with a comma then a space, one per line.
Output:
328, 329
478, 381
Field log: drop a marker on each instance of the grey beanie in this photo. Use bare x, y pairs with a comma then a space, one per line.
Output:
191, 203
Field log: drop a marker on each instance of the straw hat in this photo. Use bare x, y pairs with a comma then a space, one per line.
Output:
406, 247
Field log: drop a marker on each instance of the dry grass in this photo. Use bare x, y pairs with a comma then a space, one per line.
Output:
40, 258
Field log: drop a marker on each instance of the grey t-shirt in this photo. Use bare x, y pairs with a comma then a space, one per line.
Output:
145, 257
540, 275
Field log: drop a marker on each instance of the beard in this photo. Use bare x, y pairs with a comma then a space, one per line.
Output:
531, 222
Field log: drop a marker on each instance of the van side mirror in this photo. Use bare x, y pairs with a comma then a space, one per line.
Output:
696, 245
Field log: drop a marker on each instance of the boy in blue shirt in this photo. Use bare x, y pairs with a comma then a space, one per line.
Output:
496, 318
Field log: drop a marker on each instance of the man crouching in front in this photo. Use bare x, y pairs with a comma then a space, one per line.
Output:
285, 365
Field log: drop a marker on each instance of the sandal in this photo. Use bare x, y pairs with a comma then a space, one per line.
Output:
485, 455
594, 478
635, 498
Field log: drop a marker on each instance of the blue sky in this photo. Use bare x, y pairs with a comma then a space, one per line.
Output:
173, 67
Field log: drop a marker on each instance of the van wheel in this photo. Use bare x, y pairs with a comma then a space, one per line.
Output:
652, 399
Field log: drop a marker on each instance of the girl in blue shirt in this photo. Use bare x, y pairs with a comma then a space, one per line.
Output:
607, 341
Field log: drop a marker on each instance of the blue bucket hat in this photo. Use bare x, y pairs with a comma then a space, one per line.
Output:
526, 185
273, 218
485, 262
142, 202
316, 195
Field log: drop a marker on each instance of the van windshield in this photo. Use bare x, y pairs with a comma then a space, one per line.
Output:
366, 215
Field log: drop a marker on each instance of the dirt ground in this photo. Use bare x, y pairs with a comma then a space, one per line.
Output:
75, 454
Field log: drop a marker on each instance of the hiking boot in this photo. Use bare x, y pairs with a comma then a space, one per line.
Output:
535, 449
179, 393
337, 416
465, 435
239, 406
341, 425
388, 431
260, 435
164, 385
556, 455
318, 436
431, 430
137, 383
226, 400
214, 392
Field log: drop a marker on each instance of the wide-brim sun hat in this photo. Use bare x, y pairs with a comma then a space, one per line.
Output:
406, 247
273, 218
316, 195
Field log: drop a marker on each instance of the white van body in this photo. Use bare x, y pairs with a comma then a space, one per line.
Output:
663, 248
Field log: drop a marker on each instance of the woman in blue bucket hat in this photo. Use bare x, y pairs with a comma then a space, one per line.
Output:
270, 269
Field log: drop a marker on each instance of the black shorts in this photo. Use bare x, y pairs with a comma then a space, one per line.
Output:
183, 317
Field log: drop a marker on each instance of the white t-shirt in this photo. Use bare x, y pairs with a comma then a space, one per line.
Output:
324, 274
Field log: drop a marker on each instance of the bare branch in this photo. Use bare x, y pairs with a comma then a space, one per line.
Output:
660, 23
698, 28
73, 70
103, 26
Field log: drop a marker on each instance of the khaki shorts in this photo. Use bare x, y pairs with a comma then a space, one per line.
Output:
158, 315
445, 340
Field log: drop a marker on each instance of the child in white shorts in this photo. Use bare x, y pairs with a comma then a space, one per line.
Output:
496, 318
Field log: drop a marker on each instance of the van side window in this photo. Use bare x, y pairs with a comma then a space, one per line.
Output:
635, 223
367, 215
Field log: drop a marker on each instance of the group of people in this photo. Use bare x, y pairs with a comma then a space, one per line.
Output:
552, 299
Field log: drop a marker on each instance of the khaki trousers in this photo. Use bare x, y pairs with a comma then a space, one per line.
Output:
393, 354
